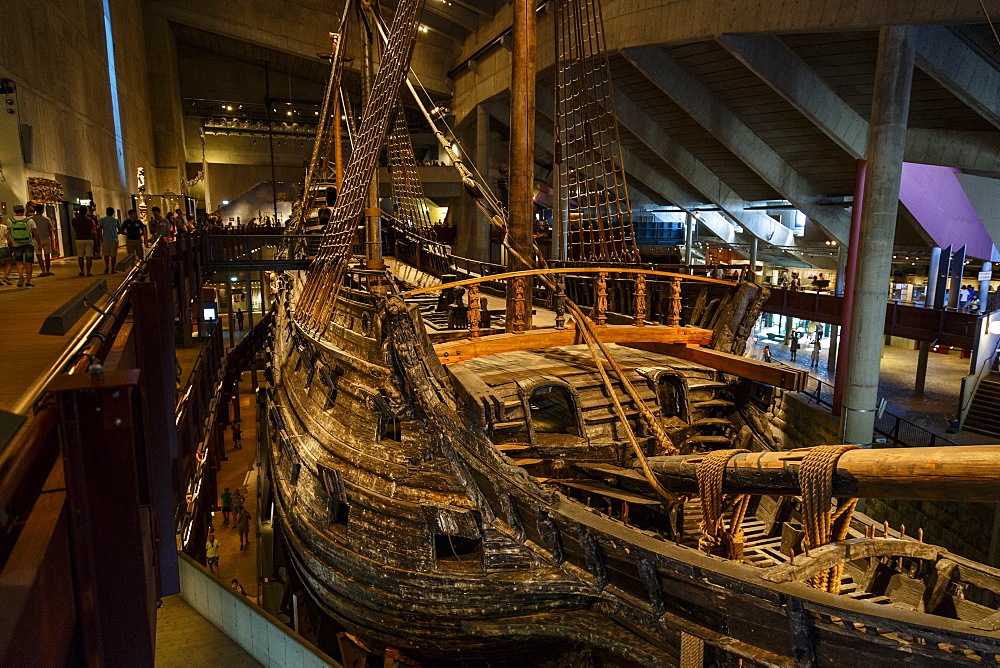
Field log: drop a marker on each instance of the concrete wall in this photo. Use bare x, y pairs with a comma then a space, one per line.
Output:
249, 626
299, 27
55, 52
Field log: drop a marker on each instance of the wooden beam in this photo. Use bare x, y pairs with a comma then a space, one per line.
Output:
771, 374
460, 351
948, 473
828, 556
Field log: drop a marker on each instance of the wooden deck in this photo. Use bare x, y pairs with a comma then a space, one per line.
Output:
27, 353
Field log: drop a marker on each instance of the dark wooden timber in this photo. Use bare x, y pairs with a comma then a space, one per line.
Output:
762, 372
954, 473
521, 222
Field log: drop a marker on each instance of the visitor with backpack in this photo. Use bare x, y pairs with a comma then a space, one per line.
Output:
22, 235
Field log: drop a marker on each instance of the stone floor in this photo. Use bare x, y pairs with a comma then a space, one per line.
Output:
240, 472
941, 388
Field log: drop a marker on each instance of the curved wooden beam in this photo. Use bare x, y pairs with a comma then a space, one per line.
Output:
834, 554
565, 270
459, 351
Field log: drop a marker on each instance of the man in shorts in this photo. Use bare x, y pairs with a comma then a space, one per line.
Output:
227, 505
45, 234
212, 553
22, 236
83, 237
136, 236
110, 227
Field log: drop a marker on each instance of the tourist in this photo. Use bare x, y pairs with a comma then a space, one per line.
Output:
237, 502
136, 237
212, 552
767, 354
227, 500
235, 584
45, 228
963, 296
159, 226
237, 436
794, 345
243, 528
814, 361
110, 228
83, 235
22, 236
239, 319
6, 254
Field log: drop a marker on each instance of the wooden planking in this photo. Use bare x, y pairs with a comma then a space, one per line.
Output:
30, 353
594, 487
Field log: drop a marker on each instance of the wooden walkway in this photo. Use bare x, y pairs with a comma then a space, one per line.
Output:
27, 354
185, 638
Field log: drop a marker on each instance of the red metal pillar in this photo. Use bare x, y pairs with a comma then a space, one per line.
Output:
847, 306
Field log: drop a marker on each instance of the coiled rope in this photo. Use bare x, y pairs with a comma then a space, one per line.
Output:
716, 538
822, 524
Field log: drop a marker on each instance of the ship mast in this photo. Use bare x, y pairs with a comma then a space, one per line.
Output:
373, 231
522, 160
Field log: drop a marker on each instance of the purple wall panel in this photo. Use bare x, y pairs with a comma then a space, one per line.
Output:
936, 199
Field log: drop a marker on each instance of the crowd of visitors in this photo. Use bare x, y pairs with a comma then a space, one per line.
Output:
29, 237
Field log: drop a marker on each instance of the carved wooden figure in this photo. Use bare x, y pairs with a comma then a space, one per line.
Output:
640, 300
600, 315
474, 312
674, 316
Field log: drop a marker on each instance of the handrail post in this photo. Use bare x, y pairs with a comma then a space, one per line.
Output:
560, 301
601, 299
640, 300
474, 311
674, 315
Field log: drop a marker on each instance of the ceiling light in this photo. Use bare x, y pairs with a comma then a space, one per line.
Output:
225, 202
422, 28
289, 112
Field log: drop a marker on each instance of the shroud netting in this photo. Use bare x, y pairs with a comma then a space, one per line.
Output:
409, 206
324, 278
588, 149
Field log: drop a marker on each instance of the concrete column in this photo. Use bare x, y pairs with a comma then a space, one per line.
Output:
932, 273
478, 243
957, 268
922, 354
886, 141
984, 287
166, 112
753, 257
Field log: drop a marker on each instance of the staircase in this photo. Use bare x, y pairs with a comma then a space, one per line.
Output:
984, 414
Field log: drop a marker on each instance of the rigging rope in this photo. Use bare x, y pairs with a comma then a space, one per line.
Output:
588, 154
716, 538
821, 524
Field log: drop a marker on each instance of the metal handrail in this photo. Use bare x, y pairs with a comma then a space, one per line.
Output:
889, 425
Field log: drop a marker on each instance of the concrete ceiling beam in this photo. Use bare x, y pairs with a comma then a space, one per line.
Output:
698, 101
960, 69
697, 174
792, 78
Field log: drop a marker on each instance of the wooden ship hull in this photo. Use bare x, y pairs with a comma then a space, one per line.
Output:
435, 508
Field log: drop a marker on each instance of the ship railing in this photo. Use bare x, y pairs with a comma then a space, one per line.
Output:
615, 295
245, 250
896, 431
